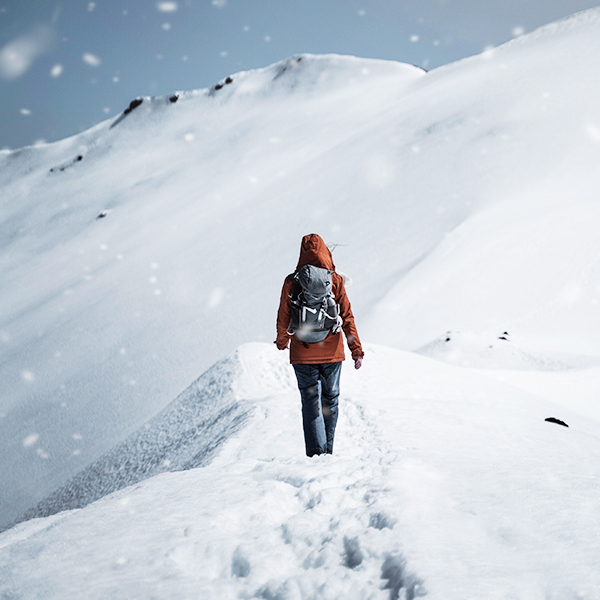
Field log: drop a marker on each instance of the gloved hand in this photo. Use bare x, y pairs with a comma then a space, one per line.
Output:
282, 344
358, 362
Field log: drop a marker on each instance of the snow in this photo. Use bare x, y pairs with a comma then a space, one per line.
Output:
91, 59
443, 482
138, 254
18, 55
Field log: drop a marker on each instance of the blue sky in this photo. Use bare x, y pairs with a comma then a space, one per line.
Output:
65, 66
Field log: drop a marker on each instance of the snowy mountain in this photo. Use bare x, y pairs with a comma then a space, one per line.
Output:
464, 204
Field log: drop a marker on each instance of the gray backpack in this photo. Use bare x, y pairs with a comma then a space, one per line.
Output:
314, 310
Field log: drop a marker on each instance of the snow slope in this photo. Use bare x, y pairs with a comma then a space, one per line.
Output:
463, 200
185, 435
444, 483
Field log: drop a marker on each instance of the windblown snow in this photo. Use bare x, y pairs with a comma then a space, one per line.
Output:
152, 248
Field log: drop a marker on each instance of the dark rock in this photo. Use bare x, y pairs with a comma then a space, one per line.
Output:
557, 421
174, 98
133, 105
102, 215
228, 80
62, 168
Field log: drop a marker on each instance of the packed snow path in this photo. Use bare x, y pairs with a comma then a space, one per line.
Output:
444, 482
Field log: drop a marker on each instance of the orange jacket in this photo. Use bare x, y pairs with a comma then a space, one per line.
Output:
314, 252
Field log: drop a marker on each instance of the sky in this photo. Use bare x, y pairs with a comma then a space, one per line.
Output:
67, 65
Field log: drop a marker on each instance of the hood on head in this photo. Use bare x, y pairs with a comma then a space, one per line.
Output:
313, 251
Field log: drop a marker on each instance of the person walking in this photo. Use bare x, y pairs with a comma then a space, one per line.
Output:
313, 310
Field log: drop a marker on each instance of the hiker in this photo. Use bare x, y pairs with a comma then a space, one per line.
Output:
313, 310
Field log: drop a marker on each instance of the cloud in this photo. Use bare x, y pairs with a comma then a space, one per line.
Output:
17, 56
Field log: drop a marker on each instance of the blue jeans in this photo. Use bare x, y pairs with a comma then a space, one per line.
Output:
319, 387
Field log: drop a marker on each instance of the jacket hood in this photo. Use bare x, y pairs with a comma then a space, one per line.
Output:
313, 251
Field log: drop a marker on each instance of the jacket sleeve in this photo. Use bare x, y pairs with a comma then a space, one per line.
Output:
283, 315
349, 326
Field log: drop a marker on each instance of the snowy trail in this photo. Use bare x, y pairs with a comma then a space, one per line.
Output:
444, 483
262, 521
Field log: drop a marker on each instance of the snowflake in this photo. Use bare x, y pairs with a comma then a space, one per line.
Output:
91, 59
166, 6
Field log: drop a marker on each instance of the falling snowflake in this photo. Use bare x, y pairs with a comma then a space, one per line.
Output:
17, 56
166, 26
27, 376
219, 3
56, 70
25, 111
216, 297
267, 38
593, 132
166, 6
30, 440
91, 59
414, 38
518, 31
362, 13
91, 6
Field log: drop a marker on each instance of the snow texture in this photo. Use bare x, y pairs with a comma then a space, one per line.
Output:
185, 435
444, 483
